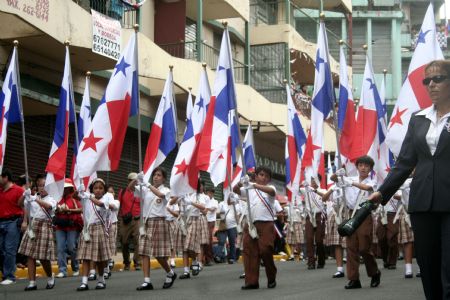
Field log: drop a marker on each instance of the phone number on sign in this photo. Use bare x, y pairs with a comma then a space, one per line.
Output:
106, 51
106, 43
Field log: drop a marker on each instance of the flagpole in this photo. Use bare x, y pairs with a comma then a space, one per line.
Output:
22, 119
174, 104
72, 102
136, 63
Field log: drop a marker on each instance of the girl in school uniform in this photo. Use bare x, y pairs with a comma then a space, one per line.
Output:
37, 242
155, 237
94, 241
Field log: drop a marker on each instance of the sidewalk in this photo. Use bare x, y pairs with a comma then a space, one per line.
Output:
118, 266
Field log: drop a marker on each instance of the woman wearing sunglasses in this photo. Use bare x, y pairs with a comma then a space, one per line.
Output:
426, 148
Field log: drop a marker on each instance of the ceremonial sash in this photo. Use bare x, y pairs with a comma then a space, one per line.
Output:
267, 205
102, 221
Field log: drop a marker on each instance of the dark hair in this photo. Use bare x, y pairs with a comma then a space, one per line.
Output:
319, 177
22, 180
160, 169
7, 173
91, 186
36, 179
366, 159
211, 189
200, 183
444, 65
263, 169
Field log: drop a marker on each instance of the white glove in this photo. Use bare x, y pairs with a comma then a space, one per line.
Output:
81, 188
234, 198
250, 186
245, 180
140, 178
347, 181
27, 194
340, 172
187, 201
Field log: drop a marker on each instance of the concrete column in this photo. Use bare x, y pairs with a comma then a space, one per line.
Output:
247, 54
369, 38
396, 57
199, 31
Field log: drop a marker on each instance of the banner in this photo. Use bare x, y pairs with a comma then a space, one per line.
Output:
106, 35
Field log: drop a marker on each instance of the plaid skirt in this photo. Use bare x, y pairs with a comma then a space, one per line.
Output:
177, 236
332, 237
405, 234
98, 248
193, 236
296, 237
43, 245
204, 231
157, 241
113, 238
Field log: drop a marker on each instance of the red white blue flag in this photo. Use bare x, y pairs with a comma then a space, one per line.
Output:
101, 148
9, 103
56, 165
248, 146
163, 134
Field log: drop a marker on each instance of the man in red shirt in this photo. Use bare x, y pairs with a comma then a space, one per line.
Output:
129, 215
11, 214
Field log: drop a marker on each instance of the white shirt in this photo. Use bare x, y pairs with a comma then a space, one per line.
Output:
174, 207
436, 126
228, 211
314, 200
352, 192
201, 199
154, 207
211, 215
113, 212
92, 212
392, 205
296, 212
260, 211
405, 189
37, 211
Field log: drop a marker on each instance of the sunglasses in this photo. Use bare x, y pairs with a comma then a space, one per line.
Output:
436, 79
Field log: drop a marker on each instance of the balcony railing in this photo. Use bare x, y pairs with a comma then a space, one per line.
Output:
188, 50
113, 9
270, 12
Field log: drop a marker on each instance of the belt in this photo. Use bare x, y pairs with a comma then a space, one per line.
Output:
12, 218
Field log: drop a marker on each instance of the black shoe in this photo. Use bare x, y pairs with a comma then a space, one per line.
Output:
195, 270
83, 287
271, 285
185, 275
338, 274
242, 276
92, 277
392, 267
50, 286
208, 264
320, 266
353, 284
311, 267
217, 259
30, 288
126, 267
137, 267
230, 261
418, 275
375, 280
146, 286
250, 287
173, 266
409, 275
385, 265
169, 284
100, 286
291, 259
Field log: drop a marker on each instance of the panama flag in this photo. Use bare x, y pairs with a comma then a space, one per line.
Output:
56, 165
413, 95
9, 102
101, 148
384, 163
346, 113
84, 125
295, 147
248, 145
322, 103
369, 133
184, 178
220, 135
163, 134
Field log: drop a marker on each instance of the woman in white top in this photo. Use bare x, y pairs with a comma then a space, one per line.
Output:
155, 238
173, 213
37, 242
111, 222
94, 241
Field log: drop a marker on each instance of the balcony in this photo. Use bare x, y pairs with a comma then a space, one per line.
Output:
188, 50
218, 9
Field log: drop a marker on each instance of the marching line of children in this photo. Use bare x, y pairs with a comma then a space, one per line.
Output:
171, 225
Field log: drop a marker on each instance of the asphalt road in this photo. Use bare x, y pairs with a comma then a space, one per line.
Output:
222, 282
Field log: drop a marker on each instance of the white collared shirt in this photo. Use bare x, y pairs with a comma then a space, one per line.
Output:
352, 192
37, 211
211, 215
154, 207
436, 126
200, 199
92, 212
113, 212
228, 211
259, 210
314, 200
174, 207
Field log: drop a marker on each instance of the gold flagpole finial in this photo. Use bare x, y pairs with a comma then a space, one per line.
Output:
16, 43
88, 74
285, 81
384, 71
365, 47
204, 65
322, 16
136, 27
341, 42
190, 89
171, 67
67, 43
225, 24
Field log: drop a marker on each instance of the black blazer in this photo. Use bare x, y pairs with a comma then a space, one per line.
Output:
430, 187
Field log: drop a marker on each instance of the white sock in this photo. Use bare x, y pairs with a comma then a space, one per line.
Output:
106, 270
101, 279
340, 269
32, 283
170, 272
92, 271
51, 280
200, 265
147, 279
84, 280
172, 261
408, 268
186, 269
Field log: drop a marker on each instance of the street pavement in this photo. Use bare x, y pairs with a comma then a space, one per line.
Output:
222, 281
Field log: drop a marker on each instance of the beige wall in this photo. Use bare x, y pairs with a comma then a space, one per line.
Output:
148, 19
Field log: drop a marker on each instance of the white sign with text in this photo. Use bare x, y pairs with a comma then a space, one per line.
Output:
106, 35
